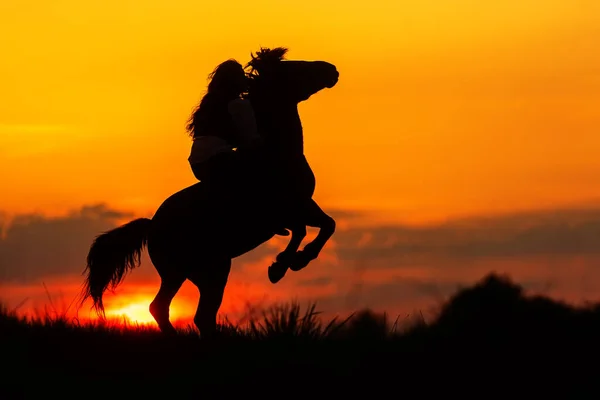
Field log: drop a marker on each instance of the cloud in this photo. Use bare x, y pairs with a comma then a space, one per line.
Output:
35, 247
393, 267
557, 232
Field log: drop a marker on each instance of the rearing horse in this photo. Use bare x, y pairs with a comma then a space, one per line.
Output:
191, 236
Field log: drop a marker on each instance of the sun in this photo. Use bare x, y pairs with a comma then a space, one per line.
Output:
137, 312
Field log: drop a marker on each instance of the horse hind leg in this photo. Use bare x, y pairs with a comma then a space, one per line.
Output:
211, 282
159, 308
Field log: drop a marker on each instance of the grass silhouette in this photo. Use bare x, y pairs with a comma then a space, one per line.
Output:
487, 339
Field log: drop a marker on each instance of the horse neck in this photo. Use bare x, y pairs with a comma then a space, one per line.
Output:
284, 131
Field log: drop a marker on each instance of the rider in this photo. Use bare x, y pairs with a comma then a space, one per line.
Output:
222, 122
223, 127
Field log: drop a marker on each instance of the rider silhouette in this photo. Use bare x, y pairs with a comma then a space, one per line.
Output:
226, 143
223, 121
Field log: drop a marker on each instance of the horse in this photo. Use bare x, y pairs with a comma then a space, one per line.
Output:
194, 237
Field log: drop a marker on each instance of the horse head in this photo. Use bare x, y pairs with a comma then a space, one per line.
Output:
276, 87
289, 80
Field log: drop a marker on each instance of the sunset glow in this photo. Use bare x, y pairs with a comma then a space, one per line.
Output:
133, 312
450, 117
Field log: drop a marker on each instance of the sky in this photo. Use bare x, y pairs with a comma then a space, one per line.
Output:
462, 138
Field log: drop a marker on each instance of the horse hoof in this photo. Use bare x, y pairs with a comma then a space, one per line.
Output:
300, 262
168, 330
277, 272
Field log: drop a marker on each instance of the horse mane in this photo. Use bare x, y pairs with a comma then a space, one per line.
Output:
264, 58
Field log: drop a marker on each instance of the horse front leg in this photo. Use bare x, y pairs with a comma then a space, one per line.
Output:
314, 217
284, 260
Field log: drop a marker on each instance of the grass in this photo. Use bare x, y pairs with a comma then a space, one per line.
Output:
488, 339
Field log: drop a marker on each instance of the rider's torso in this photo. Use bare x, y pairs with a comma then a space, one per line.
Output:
216, 134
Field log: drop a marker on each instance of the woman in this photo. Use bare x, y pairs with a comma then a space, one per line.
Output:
225, 151
222, 122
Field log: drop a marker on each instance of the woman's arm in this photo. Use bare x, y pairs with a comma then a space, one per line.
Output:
245, 122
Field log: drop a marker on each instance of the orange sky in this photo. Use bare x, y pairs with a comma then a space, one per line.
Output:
444, 108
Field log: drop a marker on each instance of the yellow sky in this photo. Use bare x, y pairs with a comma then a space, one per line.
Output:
443, 107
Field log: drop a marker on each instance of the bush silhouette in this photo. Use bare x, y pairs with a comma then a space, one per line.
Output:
490, 326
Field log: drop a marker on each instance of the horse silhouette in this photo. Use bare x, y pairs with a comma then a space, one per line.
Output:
194, 234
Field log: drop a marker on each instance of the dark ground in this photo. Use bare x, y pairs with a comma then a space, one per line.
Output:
488, 341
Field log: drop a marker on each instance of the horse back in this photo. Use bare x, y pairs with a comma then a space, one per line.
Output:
193, 219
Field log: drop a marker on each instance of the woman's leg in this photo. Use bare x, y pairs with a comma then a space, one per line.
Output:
215, 169
200, 171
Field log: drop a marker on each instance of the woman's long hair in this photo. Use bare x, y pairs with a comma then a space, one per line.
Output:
223, 87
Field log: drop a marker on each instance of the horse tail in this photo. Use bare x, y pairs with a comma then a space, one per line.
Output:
112, 255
